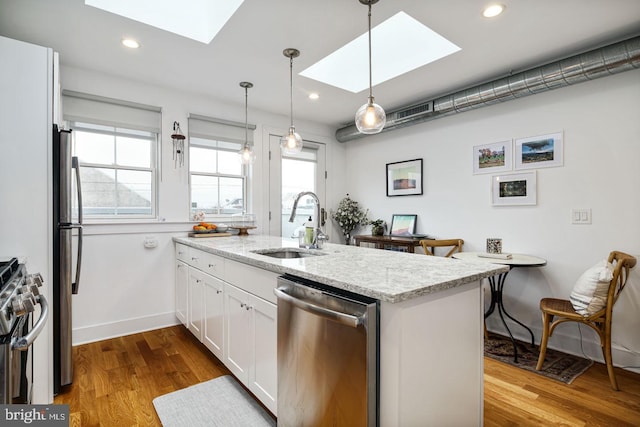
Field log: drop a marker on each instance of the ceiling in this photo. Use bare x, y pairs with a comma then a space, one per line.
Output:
249, 47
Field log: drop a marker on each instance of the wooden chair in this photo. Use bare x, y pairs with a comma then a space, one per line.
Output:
430, 245
599, 321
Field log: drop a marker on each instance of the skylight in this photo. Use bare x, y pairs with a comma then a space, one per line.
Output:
199, 20
398, 45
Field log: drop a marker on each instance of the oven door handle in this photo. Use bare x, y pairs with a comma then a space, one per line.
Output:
23, 343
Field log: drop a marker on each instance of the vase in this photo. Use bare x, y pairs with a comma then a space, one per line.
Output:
377, 231
347, 238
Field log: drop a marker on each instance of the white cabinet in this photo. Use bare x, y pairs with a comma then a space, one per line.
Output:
237, 351
213, 334
251, 343
263, 370
196, 302
182, 291
230, 307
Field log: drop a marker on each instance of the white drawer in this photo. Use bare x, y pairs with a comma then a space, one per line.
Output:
254, 280
209, 263
182, 252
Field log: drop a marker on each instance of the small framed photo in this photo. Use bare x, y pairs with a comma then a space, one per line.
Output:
403, 225
492, 158
404, 178
543, 151
514, 189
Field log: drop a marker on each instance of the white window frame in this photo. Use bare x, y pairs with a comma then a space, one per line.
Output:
153, 168
225, 131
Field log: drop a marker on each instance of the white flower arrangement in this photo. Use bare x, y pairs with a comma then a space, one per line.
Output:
349, 215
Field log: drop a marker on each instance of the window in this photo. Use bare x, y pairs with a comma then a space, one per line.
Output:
217, 177
218, 180
117, 170
116, 143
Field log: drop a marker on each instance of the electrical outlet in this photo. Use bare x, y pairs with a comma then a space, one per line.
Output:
580, 216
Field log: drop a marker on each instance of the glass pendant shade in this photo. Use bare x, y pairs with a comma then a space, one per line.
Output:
247, 156
292, 142
370, 118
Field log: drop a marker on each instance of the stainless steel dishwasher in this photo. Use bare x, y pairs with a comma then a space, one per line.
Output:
327, 356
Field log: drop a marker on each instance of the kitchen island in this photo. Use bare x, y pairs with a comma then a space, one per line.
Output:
431, 319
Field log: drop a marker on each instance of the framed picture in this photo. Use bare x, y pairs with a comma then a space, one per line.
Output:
404, 178
403, 225
542, 151
514, 189
492, 158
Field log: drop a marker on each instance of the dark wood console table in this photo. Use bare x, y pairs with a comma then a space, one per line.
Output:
381, 241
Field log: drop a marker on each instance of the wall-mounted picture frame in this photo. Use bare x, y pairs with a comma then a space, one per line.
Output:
514, 189
404, 178
542, 151
493, 158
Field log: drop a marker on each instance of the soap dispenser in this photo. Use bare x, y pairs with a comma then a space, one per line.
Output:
308, 232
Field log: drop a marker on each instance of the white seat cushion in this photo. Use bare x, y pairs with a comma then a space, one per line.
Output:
589, 294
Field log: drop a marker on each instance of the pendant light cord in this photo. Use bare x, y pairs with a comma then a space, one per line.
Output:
246, 117
291, 87
370, 78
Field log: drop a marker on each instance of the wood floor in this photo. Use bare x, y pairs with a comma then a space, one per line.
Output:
116, 380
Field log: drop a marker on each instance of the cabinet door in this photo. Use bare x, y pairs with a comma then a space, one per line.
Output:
196, 302
237, 348
213, 315
182, 292
263, 372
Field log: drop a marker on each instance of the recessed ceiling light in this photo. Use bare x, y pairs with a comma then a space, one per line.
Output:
196, 19
493, 10
398, 47
314, 96
131, 43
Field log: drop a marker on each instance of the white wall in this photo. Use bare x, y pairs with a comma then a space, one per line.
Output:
25, 222
127, 288
601, 124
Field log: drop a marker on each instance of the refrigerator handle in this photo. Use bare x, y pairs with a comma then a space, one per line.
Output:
76, 283
74, 165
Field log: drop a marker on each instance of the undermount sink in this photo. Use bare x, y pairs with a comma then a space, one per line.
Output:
286, 253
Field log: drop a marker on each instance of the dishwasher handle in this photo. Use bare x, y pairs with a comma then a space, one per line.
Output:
336, 316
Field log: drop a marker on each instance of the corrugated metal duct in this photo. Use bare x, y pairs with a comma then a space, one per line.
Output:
601, 62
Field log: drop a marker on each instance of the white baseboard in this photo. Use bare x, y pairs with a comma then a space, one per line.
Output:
120, 328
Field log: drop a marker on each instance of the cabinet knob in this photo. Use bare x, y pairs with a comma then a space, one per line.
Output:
242, 304
211, 265
194, 258
198, 280
218, 291
248, 307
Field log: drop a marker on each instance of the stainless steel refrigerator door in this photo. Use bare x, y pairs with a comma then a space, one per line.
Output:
327, 359
64, 306
65, 179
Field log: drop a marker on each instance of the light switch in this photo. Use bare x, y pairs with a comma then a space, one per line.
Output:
580, 216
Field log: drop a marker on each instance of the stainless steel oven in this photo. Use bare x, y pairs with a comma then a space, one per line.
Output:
19, 298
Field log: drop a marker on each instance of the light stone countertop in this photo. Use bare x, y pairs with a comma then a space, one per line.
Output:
385, 275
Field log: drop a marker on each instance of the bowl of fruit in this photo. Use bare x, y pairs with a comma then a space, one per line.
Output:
205, 227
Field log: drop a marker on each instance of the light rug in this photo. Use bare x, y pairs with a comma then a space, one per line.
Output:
557, 365
218, 402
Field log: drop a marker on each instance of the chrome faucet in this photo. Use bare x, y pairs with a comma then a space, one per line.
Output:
318, 235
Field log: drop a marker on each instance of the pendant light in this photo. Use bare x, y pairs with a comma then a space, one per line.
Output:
292, 142
370, 118
247, 156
